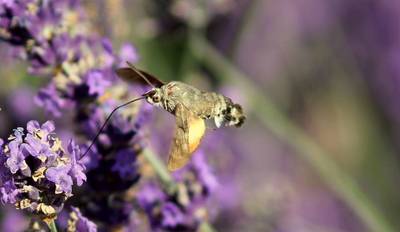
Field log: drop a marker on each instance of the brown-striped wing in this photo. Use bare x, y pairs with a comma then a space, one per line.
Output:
189, 131
133, 74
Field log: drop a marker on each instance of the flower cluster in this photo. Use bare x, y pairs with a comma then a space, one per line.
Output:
184, 207
37, 174
81, 67
55, 39
48, 35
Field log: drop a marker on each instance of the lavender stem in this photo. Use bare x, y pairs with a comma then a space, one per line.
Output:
205, 227
52, 225
158, 167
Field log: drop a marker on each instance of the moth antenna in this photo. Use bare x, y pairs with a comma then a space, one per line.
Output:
140, 74
108, 119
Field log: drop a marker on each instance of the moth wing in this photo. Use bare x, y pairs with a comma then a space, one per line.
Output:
133, 74
189, 131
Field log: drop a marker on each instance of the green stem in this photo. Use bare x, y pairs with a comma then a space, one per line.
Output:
158, 167
52, 226
186, 64
245, 21
277, 122
205, 227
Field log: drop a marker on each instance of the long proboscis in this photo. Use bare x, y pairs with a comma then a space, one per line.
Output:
108, 119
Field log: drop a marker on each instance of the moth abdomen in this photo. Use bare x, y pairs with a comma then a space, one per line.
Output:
233, 114
227, 113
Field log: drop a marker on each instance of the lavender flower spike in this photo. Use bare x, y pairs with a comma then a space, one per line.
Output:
185, 208
36, 173
77, 222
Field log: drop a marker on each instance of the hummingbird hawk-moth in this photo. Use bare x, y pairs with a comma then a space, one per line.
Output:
190, 106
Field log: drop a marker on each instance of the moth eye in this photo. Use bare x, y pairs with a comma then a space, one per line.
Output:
156, 98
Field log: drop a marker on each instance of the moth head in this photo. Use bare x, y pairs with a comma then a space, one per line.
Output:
154, 96
234, 115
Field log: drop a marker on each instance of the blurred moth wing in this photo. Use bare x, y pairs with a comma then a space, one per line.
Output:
132, 74
189, 131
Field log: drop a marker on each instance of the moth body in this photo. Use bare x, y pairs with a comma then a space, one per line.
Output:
205, 105
191, 108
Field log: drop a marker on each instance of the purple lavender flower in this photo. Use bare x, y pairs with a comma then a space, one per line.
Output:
7, 3
36, 171
125, 163
150, 193
8, 192
16, 159
202, 170
45, 129
172, 216
184, 208
92, 159
77, 166
167, 211
77, 222
38, 141
59, 176
49, 99
96, 83
128, 53
108, 53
